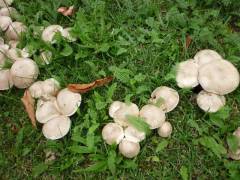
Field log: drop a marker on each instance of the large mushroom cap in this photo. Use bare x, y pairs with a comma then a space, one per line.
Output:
134, 135
24, 72
50, 31
5, 21
14, 30
5, 3
68, 102
210, 102
219, 77
8, 11
154, 116
128, 148
168, 95
165, 130
112, 133
116, 105
206, 56
46, 110
57, 127
187, 74
5, 79
120, 116
36, 90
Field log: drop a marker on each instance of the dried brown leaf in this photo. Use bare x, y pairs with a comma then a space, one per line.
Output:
66, 11
188, 41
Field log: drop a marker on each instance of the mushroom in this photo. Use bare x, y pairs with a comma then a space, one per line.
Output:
36, 90
8, 11
114, 107
236, 155
68, 102
187, 74
120, 116
168, 95
67, 35
210, 102
219, 77
5, 22
206, 56
24, 72
13, 43
112, 133
128, 148
5, 79
50, 31
165, 130
57, 127
50, 88
46, 110
14, 30
5, 3
134, 135
153, 116
16, 54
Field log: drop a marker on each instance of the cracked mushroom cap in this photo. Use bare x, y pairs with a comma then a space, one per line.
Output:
116, 105
46, 110
57, 127
153, 116
219, 77
206, 56
36, 90
5, 22
128, 148
120, 116
169, 96
112, 133
5, 3
14, 30
134, 135
5, 79
8, 11
187, 74
68, 102
210, 102
165, 130
24, 72
50, 31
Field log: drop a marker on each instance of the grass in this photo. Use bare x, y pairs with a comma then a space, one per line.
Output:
138, 42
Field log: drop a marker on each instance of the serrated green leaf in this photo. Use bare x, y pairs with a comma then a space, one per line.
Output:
97, 167
39, 169
162, 145
67, 50
112, 161
121, 51
138, 123
184, 173
232, 142
80, 149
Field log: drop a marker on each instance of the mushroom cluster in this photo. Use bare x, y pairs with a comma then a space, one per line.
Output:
236, 155
54, 107
215, 75
163, 99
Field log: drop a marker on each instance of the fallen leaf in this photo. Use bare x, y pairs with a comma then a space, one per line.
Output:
83, 88
66, 11
188, 41
28, 103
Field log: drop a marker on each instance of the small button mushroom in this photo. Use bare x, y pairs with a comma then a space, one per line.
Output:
50, 88
14, 30
210, 102
128, 148
24, 72
134, 135
68, 102
120, 116
169, 97
13, 43
8, 11
46, 110
206, 56
57, 127
36, 90
116, 105
165, 130
67, 35
153, 116
5, 79
219, 77
5, 3
112, 133
5, 22
46, 57
50, 31
187, 74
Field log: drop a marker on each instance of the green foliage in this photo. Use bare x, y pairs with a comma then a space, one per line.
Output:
139, 124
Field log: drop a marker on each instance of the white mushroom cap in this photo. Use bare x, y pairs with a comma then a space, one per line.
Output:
5, 3
210, 102
7, 11
120, 116
36, 90
24, 72
219, 77
187, 74
46, 57
50, 31
112, 133
206, 56
169, 96
68, 102
67, 35
114, 107
51, 87
13, 43
16, 54
57, 127
14, 30
46, 110
153, 116
5, 79
134, 135
5, 21
129, 149
165, 130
